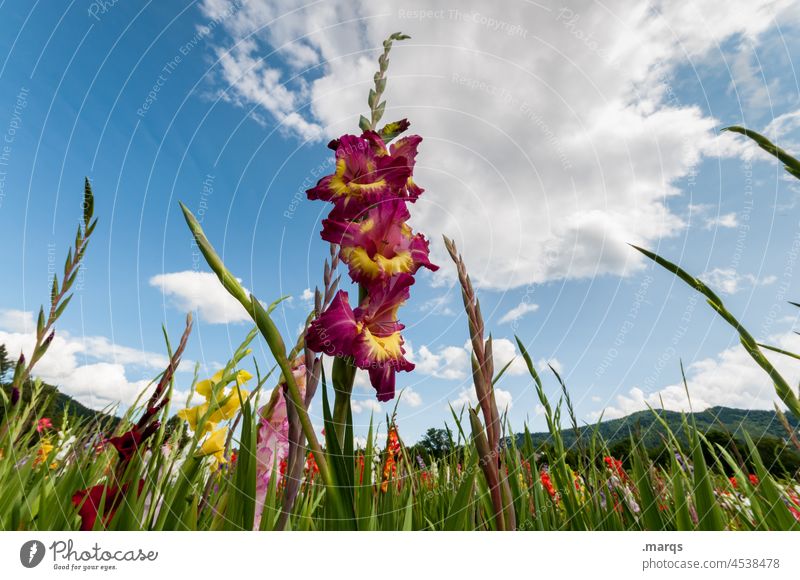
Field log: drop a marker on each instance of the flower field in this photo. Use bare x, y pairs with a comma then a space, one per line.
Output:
244, 454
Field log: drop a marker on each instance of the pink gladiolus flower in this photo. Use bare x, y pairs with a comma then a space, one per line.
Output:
272, 445
44, 423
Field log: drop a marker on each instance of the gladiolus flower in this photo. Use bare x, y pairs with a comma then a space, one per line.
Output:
88, 502
223, 404
214, 446
392, 451
380, 244
370, 334
547, 483
615, 466
311, 467
45, 447
272, 445
43, 423
128, 443
364, 174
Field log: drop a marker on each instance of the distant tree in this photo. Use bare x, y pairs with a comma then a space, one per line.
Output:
5, 363
435, 442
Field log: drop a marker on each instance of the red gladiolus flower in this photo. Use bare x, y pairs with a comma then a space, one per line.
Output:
392, 451
753, 479
547, 483
360, 460
311, 466
129, 442
380, 244
615, 465
732, 479
44, 423
88, 502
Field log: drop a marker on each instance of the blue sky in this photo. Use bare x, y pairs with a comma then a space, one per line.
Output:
554, 133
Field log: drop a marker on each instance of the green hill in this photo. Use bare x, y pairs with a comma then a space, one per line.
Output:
643, 425
58, 403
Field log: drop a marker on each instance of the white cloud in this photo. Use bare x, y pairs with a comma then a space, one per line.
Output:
468, 397
450, 363
410, 397
201, 292
728, 220
781, 126
550, 142
91, 369
360, 405
729, 281
504, 352
307, 297
453, 362
730, 379
439, 305
17, 320
544, 364
518, 312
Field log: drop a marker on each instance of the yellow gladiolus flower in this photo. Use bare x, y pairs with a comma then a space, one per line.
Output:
206, 388
193, 415
214, 446
45, 447
228, 407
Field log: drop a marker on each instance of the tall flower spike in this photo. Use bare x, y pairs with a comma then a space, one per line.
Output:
369, 190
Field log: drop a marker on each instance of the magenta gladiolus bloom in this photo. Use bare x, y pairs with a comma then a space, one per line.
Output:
379, 245
370, 190
370, 333
364, 175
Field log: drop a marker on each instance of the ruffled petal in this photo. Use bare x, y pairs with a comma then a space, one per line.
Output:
334, 331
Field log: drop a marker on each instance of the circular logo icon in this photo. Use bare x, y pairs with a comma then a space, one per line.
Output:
31, 553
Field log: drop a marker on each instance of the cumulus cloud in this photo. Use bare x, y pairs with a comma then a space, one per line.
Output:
518, 312
201, 292
730, 379
91, 369
468, 397
728, 220
360, 405
17, 320
450, 362
439, 305
453, 362
410, 397
544, 364
552, 133
729, 281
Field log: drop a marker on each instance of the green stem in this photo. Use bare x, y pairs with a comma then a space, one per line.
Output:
270, 333
343, 376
